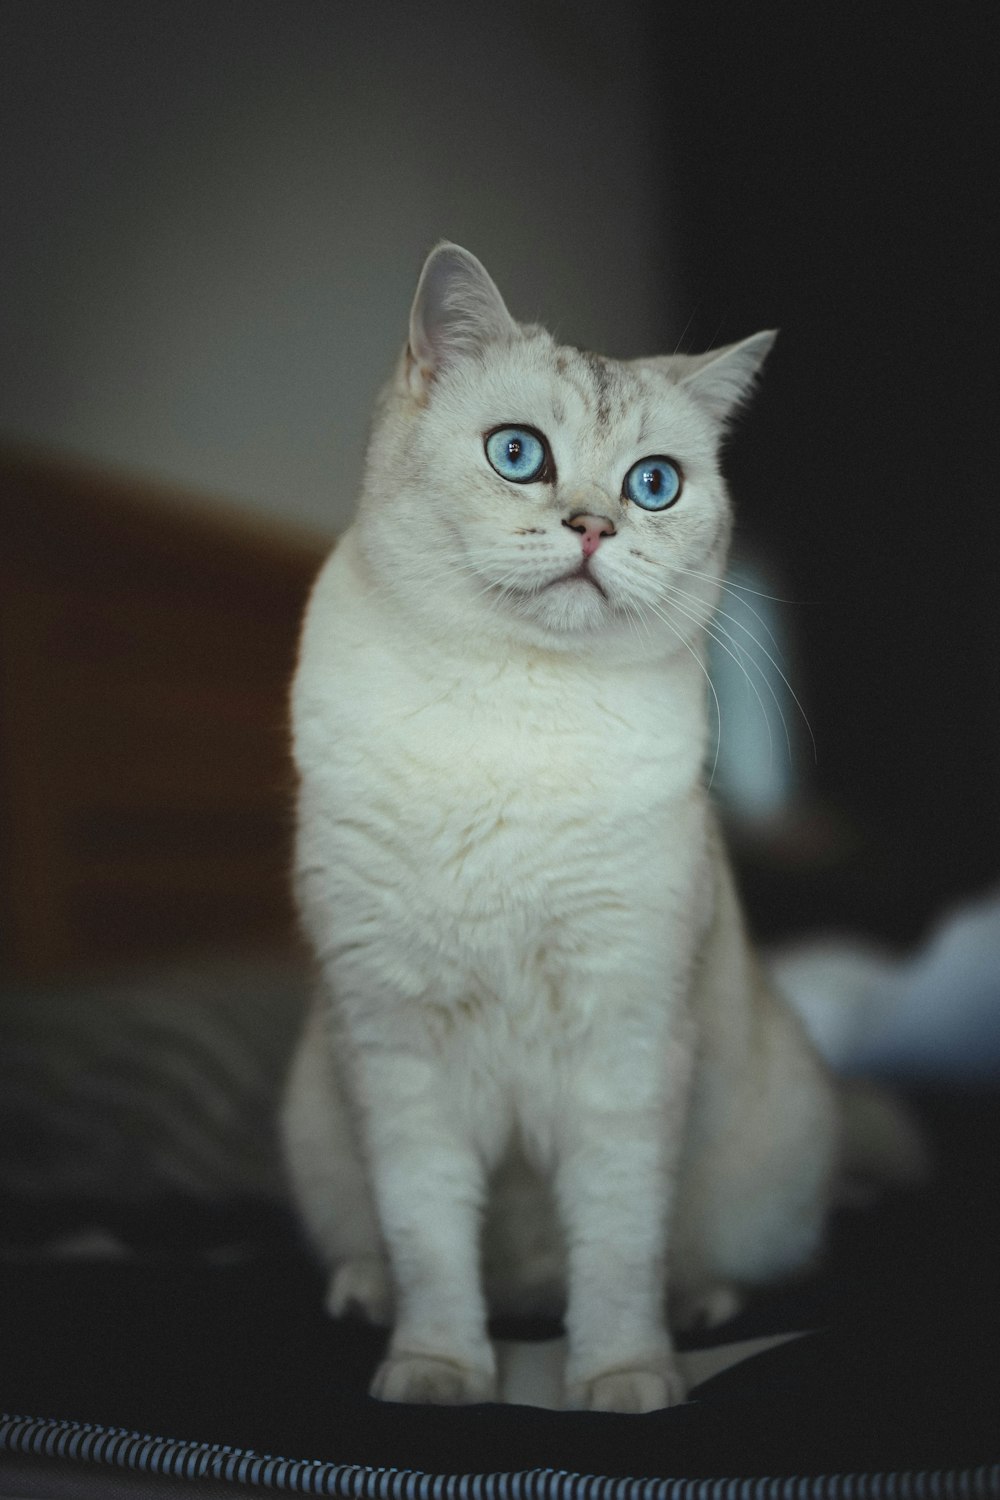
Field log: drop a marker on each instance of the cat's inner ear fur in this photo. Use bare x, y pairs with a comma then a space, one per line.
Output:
722, 379
457, 309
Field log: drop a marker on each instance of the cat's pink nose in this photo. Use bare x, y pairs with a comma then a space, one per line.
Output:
592, 529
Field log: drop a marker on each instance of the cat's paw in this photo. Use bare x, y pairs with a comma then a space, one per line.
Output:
426, 1380
638, 1390
361, 1288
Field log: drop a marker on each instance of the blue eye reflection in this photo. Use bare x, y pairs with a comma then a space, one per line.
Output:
654, 483
517, 453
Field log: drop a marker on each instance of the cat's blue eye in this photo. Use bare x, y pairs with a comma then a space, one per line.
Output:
653, 483
517, 453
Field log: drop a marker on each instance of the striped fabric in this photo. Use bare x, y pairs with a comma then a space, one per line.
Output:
86, 1443
160, 1082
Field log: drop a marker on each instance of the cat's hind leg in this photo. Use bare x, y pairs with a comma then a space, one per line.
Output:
328, 1183
760, 1168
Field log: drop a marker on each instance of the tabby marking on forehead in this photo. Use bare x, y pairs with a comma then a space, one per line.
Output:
571, 371
603, 382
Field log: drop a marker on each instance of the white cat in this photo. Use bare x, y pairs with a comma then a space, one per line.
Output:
544, 1069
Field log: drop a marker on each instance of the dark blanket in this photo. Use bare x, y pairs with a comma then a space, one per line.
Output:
210, 1330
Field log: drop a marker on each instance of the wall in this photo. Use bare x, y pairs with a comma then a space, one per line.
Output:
216, 214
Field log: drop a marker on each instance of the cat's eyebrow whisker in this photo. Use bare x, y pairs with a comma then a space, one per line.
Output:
695, 619
684, 330
718, 709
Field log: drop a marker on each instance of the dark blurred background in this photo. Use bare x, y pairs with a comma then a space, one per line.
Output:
214, 216
214, 213
836, 180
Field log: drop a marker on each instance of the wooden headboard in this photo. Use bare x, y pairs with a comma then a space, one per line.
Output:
146, 647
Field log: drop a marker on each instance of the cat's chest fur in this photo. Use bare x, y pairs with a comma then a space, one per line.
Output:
509, 795
490, 838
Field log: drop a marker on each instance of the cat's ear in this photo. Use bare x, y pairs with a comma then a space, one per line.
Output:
457, 309
724, 378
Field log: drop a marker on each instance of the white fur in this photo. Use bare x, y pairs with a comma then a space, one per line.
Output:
544, 1069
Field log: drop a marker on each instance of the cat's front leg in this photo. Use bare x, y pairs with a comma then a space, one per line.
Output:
623, 1119
430, 1187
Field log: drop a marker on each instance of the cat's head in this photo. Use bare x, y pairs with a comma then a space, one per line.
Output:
520, 489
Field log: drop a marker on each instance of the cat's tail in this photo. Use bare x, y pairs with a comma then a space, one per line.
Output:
848, 996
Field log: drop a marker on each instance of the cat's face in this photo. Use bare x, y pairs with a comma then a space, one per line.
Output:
522, 489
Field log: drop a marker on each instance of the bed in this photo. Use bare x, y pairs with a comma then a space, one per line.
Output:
161, 1325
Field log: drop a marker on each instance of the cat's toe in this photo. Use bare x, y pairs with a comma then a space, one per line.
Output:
361, 1288
637, 1390
425, 1380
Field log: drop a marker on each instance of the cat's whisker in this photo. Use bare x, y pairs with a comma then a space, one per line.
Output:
718, 708
495, 591
476, 569
433, 577
730, 589
713, 615
710, 622
730, 583
684, 330
429, 570
507, 582
784, 677
717, 638
493, 584
645, 624
634, 619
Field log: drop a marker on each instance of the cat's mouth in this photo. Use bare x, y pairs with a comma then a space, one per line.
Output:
582, 586
582, 574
